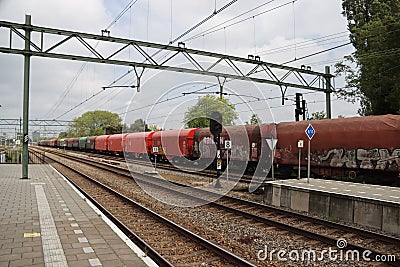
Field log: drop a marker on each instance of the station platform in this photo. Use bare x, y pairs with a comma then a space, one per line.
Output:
369, 205
44, 221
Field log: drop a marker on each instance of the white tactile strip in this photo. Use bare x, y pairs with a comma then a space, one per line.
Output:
95, 261
52, 249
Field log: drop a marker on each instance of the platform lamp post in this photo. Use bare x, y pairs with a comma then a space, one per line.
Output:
27, 62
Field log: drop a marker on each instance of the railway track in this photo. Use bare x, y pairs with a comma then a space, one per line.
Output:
246, 178
307, 227
166, 242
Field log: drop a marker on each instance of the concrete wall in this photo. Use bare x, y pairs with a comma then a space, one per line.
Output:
378, 214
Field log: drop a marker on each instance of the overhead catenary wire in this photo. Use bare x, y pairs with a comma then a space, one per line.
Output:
172, 41
218, 28
203, 21
71, 84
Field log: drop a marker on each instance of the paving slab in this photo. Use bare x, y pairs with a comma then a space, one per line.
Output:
44, 221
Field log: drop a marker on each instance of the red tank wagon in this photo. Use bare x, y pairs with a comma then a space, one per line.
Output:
101, 143
174, 144
366, 146
115, 142
138, 145
245, 142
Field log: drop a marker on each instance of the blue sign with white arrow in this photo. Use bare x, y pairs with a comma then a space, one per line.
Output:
310, 132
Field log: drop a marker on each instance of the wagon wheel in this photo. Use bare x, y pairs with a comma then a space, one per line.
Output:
352, 175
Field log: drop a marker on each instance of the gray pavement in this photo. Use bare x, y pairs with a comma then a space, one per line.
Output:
367, 191
45, 222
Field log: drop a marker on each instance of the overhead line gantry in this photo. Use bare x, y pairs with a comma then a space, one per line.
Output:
47, 42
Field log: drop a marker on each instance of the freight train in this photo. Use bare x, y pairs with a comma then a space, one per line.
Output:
359, 148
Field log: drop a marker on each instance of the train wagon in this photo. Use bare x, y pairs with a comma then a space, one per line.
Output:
61, 143
115, 143
82, 143
138, 145
52, 142
173, 145
245, 144
366, 146
101, 143
90, 142
75, 143
70, 142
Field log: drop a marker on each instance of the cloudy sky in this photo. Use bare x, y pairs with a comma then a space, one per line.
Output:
277, 30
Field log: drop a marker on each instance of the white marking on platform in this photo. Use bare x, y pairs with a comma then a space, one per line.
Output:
74, 225
71, 219
68, 214
361, 192
82, 240
377, 194
78, 232
52, 250
65, 209
63, 205
347, 190
94, 262
394, 197
88, 250
334, 188
140, 253
61, 201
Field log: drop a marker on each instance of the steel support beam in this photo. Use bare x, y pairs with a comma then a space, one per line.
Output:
36, 123
27, 63
198, 62
328, 92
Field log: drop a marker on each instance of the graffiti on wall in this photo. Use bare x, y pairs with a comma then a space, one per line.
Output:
371, 159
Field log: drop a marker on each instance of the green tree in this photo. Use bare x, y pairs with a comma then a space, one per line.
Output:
154, 127
62, 135
255, 119
318, 115
374, 32
138, 126
96, 122
199, 114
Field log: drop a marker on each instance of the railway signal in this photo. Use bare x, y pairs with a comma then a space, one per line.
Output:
216, 129
300, 107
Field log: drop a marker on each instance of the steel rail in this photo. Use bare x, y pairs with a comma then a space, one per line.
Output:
224, 254
325, 239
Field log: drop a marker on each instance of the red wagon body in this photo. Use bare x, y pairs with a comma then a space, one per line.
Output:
101, 143
138, 144
115, 143
174, 143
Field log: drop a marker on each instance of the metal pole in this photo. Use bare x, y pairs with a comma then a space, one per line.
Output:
27, 61
227, 164
308, 159
217, 183
272, 159
328, 93
298, 176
